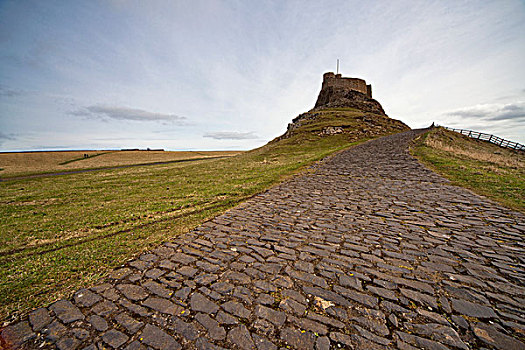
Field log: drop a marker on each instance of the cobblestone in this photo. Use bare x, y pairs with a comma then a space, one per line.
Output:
368, 250
66, 311
39, 318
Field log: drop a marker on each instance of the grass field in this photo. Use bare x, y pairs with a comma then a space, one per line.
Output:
27, 163
480, 166
61, 233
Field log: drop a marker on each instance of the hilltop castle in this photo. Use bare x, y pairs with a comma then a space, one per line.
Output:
337, 81
339, 92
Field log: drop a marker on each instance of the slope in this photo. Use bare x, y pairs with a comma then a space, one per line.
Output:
480, 166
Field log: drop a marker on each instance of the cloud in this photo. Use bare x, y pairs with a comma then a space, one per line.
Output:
231, 135
125, 113
6, 137
492, 112
6, 92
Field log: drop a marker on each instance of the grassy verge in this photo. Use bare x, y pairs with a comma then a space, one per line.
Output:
60, 233
482, 167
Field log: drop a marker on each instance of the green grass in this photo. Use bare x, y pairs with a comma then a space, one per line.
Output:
482, 167
61, 233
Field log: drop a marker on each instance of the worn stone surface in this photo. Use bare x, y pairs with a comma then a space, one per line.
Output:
66, 311
39, 318
158, 339
368, 250
114, 338
16, 334
240, 336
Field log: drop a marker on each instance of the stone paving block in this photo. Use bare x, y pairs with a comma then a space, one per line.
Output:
104, 308
67, 343
276, 317
134, 308
214, 330
17, 334
54, 331
298, 339
443, 334
86, 298
241, 337
120, 273
361, 298
39, 318
472, 309
98, 323
309, 325
491, 336
129, 323
187, 330
226, 319
163, 305
292, 306
420, 342
157, 288
420, 298
203, 344
200, 303
66, 311
132, 291
114, 338
236, 309
158, 339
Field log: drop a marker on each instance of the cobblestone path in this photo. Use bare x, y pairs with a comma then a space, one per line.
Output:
370, 250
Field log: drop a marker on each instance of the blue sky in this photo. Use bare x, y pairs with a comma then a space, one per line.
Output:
209, 74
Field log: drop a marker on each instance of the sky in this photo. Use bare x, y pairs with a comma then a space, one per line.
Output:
220, 75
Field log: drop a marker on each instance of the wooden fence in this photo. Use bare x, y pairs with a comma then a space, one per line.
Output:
490, 138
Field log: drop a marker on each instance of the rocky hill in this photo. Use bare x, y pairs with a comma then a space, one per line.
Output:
343, 111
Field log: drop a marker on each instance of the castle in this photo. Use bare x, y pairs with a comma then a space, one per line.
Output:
337, 81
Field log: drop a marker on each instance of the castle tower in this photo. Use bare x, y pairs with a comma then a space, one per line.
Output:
337, 81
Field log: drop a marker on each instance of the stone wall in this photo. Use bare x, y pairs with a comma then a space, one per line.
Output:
337, 81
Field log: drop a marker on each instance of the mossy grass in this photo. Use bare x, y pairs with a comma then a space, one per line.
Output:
482, 167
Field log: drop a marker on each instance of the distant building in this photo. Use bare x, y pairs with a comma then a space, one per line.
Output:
337, 81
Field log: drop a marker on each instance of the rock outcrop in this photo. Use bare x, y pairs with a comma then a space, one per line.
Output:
338, 97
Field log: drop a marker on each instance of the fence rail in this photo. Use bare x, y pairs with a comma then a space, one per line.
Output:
490, 138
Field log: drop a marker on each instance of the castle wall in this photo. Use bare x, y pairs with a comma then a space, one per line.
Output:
335, 80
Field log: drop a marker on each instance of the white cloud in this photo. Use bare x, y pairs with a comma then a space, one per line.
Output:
231, 135
504, 120
510, 111
125, 113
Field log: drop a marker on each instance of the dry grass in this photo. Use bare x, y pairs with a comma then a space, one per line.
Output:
479, 150
25, 163
483, 167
